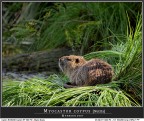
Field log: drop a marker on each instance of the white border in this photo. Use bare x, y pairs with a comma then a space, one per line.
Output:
73, 106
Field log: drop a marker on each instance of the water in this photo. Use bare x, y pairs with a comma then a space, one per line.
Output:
23, 76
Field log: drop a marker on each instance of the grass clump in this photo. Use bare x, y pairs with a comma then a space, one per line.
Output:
37, 92
28, 93
126, 59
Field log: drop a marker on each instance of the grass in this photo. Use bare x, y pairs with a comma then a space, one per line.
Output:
85, 27
37, 92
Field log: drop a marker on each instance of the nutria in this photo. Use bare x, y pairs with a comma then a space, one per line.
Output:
85, 73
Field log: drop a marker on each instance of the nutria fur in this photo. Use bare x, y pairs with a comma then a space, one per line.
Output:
85, 73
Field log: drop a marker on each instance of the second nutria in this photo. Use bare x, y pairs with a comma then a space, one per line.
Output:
85, 73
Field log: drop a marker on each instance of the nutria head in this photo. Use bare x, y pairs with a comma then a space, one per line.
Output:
69, 63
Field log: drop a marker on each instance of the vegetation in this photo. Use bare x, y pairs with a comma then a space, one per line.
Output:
85, 27
110, 31
37, 92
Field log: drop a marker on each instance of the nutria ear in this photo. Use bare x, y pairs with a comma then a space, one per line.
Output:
77, 60
82, 57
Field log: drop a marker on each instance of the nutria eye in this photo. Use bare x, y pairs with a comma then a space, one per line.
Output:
68, 59
77, 60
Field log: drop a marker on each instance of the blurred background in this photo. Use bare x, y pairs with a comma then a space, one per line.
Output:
84, 27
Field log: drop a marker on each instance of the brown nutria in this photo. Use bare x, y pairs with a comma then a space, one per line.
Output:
85, 73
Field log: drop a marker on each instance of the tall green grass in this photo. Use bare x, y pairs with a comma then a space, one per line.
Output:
85, 27
126, 59
81, 24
